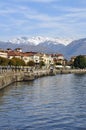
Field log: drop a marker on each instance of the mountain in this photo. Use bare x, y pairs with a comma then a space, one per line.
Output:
76, 47
39, 39
38, 44
47, 45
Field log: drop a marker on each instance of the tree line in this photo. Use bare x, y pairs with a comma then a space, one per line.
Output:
17, 62
79, 62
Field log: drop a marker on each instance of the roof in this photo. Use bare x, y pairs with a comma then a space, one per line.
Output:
57, 55
14, 53
27, 54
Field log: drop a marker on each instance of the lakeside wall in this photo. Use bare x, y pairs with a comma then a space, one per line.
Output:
9, 77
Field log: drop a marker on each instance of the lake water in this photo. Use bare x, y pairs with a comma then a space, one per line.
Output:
48, 103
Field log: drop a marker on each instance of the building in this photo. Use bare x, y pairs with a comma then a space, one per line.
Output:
14, 54
58, 59
27, 56
18, 49
3, 54
47, 59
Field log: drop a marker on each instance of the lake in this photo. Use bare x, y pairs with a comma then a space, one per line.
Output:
47, 103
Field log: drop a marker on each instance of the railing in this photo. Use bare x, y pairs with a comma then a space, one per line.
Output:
4, 69
8, 69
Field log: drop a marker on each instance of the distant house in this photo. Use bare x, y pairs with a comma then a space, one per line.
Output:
3, 54
47, 59
14, 54
73, 58
28, 56
18, 49
58, 58
37, 58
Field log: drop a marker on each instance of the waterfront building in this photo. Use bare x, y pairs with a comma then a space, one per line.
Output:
27, 56
14, 54
47, 59
18, 49
58, 59
3, 54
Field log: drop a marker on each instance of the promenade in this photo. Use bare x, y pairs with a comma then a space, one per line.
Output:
9, 75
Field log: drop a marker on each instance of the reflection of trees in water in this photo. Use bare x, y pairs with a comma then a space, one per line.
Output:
5, 91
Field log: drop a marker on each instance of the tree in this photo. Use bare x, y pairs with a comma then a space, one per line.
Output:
12, 62
41, 63
58, 63
4, 61
31, 63
16, 62
80, 62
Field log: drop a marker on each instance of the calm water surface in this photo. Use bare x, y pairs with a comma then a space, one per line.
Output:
48, 103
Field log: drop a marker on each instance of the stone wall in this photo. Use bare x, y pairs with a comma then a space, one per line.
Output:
8, 78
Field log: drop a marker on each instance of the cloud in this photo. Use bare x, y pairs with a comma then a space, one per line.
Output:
25, 18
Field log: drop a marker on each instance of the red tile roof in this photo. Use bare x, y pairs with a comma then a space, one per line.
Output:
14, 53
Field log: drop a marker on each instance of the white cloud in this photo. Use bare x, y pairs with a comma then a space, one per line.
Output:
26, 19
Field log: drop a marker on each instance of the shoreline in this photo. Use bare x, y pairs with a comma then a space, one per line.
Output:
8, 78
68, 71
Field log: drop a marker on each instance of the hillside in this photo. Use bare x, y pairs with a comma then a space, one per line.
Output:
47, 45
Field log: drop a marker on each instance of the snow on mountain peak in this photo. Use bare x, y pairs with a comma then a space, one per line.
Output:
18, 40
39, 39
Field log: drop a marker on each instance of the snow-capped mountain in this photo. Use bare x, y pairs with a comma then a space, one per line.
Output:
39, 39
47, 45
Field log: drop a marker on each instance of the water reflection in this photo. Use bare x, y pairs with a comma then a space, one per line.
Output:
53, 102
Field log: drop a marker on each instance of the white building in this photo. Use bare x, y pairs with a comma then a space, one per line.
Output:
3, 54
28, 57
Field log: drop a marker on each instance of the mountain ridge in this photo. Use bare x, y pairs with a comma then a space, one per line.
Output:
39, 39
47, 45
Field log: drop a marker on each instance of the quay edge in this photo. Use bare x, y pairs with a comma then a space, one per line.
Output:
8, 78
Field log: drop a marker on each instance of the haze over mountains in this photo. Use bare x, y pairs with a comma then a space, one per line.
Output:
47, 45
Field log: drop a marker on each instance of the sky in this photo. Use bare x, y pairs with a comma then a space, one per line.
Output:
51, 18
